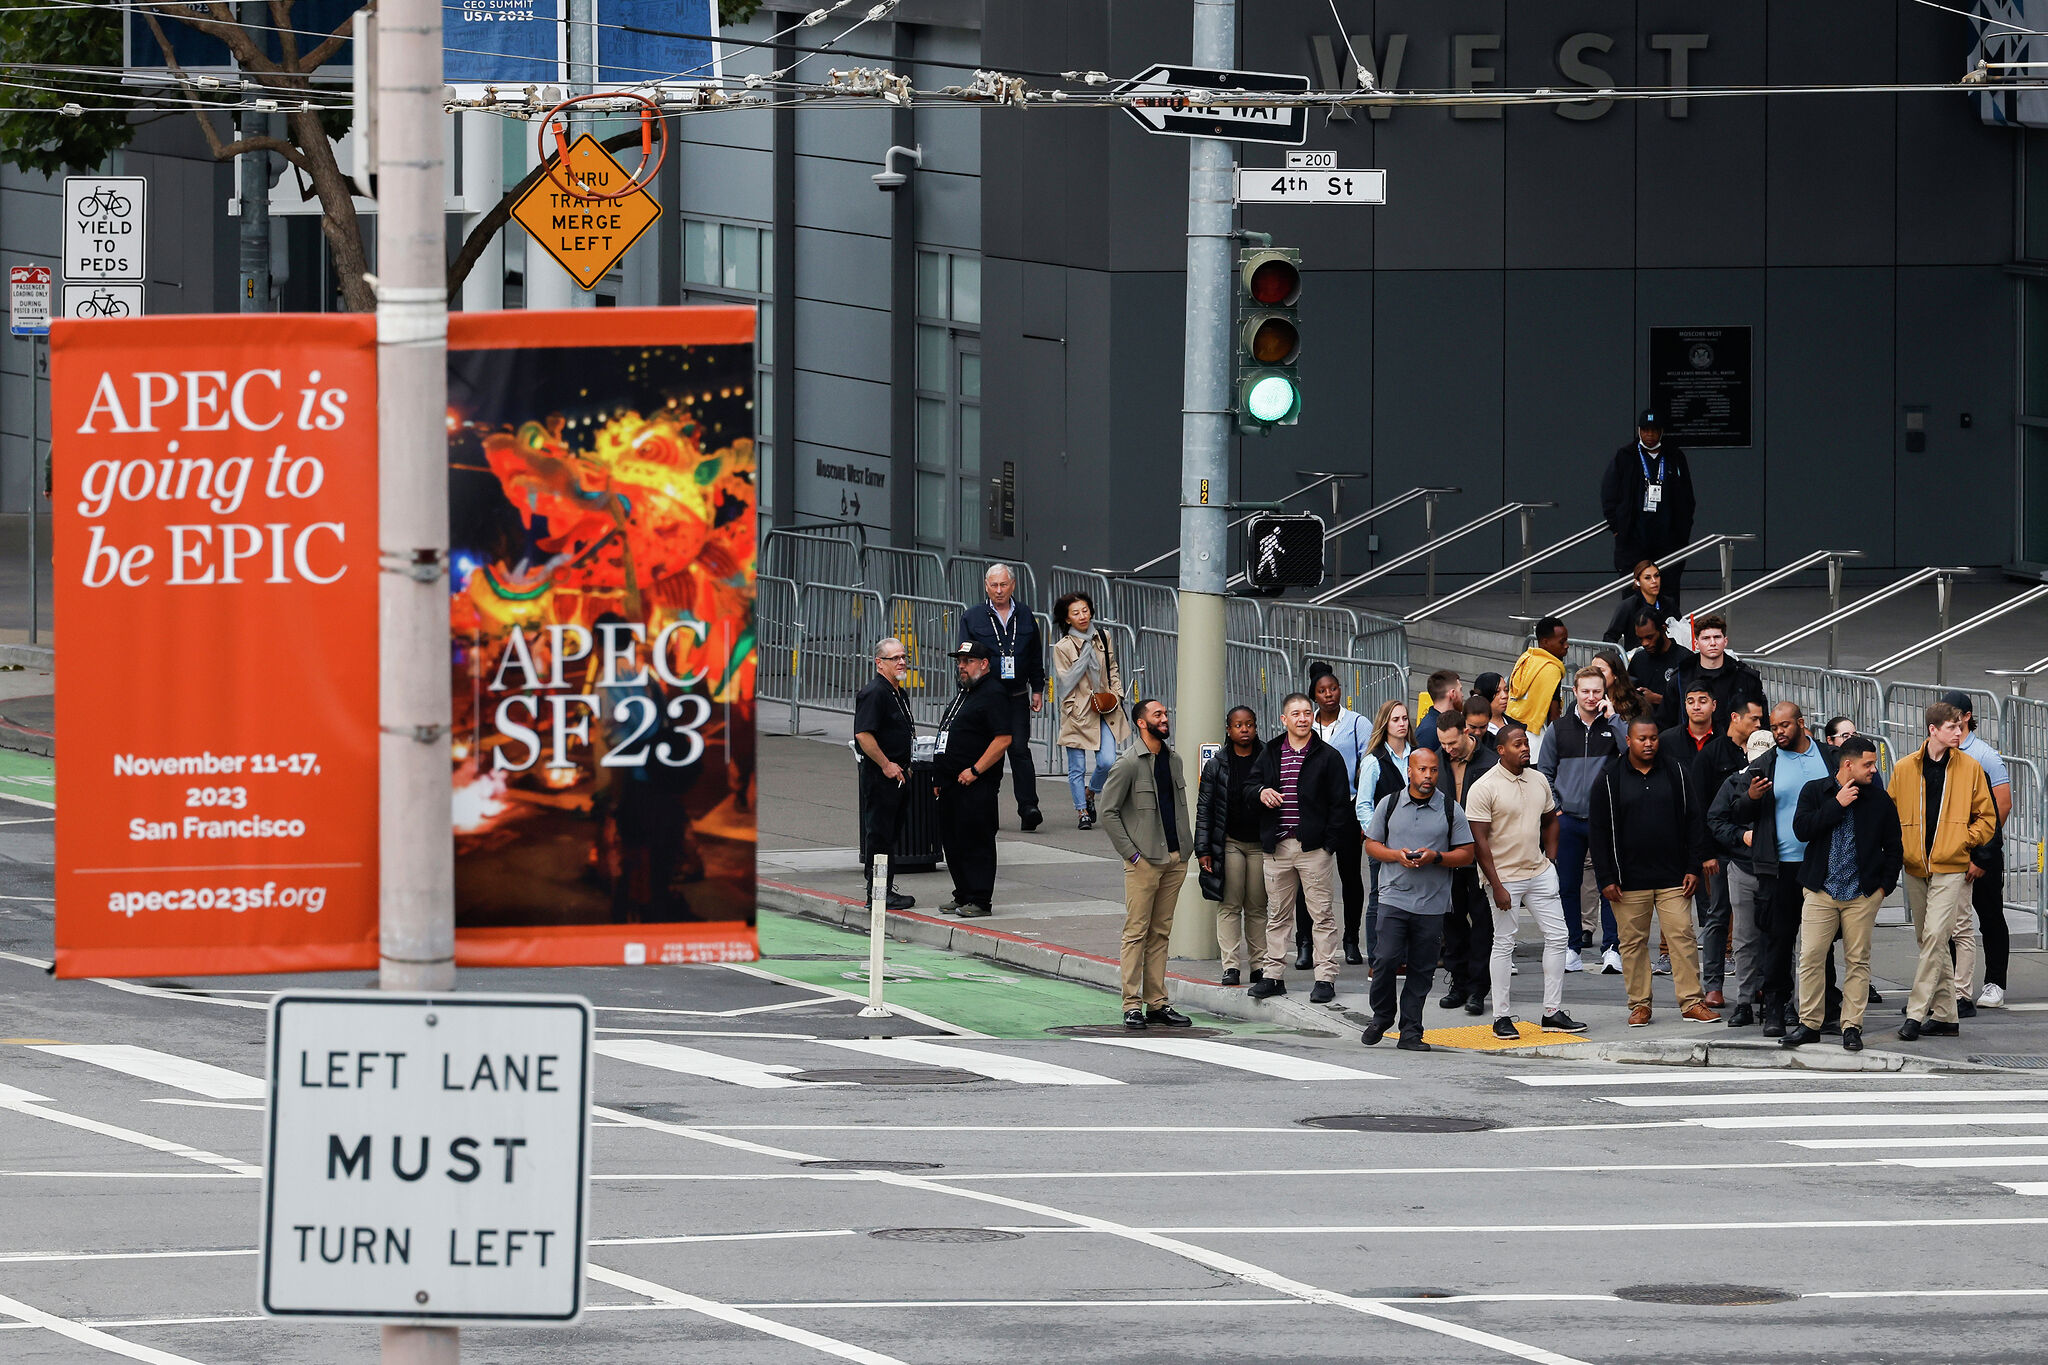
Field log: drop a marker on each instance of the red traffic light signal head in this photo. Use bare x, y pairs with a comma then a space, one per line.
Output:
1271, 277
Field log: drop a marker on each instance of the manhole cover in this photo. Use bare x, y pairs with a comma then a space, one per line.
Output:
1705, 1295
667, 1113
869, 1075
945, 1235
2013, 1061
874, 1165
1399, 1123
1119, 1031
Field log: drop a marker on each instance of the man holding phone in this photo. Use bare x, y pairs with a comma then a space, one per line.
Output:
1421, 835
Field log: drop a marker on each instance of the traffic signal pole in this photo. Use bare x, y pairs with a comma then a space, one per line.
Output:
1206, 420
416, 856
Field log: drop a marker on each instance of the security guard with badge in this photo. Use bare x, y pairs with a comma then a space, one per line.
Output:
974, 734
1647, 496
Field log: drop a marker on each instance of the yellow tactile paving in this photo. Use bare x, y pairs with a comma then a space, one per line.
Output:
1479, 1037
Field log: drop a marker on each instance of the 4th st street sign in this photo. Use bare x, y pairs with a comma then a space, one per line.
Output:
1168, 99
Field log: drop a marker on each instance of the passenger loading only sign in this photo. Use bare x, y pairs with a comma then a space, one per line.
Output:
588, 236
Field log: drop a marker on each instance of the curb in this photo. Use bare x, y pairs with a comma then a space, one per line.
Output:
1651, 1052
1046, 959
26, 740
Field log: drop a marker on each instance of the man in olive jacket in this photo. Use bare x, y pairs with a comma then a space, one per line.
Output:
1144, 806
1945, 812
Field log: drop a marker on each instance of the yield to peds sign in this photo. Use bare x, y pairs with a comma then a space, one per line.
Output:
428, 1157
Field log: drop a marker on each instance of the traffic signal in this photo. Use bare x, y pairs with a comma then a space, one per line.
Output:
1283, 550
1268, 338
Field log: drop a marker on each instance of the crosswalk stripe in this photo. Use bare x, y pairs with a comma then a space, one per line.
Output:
1725, 1075
1864, 1144
201, 1078
690, 1061
1834, 1097
1962, 1163
1866, 1120
2036, 1187
1278, 1065
991, 1064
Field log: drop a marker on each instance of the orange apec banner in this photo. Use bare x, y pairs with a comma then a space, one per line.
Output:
215, 510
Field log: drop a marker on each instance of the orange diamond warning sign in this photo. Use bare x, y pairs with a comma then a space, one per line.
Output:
586, 235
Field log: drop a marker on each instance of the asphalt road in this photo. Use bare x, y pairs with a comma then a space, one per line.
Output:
1060, 1198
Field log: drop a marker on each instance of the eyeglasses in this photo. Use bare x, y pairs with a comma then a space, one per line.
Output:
894, 658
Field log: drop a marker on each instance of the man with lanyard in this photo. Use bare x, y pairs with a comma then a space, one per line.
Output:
1647, 496
973, 736
1004, 627
882, 731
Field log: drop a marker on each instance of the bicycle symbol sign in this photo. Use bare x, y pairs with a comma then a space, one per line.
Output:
105, 241
102, 300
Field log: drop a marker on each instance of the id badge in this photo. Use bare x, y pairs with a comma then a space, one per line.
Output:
1009, 668
1653, 496
940, 747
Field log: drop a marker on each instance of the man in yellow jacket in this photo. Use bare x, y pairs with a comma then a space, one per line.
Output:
1945, 810
1537, 675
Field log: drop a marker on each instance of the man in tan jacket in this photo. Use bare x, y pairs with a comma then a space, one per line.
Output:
1945, 811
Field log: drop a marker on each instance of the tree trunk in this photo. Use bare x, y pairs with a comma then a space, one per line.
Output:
338, 218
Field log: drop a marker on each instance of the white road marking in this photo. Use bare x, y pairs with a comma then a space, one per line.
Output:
1024, 1070
25, 961
249, 1174
28, 801
1319, 1172
39, 1257
21, 1102
203, 1104
2035, 1187
690, 1061
723, 1014
1583, 1127
699, 1134
737, 1317
717, 1237
1278, 1065
1866, 1120
709, 1033
1548, 1229
1856, 1144
89, 1336
201, 1078
903, 1011
1710, 1076
1961, 1163
1018, 1128
1832, 1097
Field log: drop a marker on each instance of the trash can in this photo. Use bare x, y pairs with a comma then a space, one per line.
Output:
917, 831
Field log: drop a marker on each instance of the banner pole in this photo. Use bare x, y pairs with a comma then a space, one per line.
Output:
415, 836
878, 925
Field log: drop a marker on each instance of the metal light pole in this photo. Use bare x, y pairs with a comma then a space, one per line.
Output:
254, 237
416, 853
1205, 454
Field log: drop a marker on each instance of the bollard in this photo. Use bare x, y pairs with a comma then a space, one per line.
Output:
878, 924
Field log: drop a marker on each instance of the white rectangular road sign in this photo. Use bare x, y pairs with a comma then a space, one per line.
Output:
105, 237
28, 290
1178, 101
427, 1157
102, 301
1311, 187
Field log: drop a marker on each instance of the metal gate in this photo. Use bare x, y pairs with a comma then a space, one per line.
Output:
779, 643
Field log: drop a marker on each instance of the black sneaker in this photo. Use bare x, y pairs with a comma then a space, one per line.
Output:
1852, 1039
971, 910
1412, 1042
1230, 977
1030, 819
1453, 998
1561, 1022
1742, 1016
1322, 993
1166, 1016
1934, 1028
1799, 1036
1875, 998
1475, 1004
1504, 1027
1373, 1033
1134, 1019
1266, 988
1909, 1030
1258, 974
901, 900
1965, 1009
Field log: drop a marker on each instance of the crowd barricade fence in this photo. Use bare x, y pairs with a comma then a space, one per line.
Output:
2026, 840
965, 574
1905, 713
904, 573
807, 557
840, 629
778, 637
2023, 728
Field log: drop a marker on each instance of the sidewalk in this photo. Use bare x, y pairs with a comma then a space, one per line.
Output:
1059, 910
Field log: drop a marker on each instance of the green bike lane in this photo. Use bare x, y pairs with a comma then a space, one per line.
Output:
988, 997
29, 777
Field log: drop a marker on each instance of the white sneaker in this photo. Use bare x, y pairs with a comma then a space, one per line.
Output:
1610, 962
1573, 962
1991, 998
1513, 970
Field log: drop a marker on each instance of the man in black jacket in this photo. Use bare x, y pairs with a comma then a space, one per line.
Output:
1727, 677
1659, 667
1855, 855
1468, 929
1005, 627
1305, 799
1647, 496
968, 770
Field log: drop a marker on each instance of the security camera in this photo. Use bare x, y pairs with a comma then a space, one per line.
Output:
889, 178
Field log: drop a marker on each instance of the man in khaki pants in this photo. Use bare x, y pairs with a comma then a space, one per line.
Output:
1305, 802
1853, 855
1945, 811
1143, 808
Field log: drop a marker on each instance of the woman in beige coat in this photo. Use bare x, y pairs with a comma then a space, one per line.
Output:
1085, 665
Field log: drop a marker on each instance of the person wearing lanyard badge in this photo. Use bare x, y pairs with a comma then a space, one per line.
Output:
1648, 499
1004, 626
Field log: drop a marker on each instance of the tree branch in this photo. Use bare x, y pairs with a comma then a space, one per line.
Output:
287, 41
501, 213
266, 144
332, 43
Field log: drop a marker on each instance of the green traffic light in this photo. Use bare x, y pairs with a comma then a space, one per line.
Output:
1271, 398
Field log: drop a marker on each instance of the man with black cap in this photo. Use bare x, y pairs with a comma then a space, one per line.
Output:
1647, 496
973, 736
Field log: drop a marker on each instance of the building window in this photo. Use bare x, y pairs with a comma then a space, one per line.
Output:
951, 497
734, 263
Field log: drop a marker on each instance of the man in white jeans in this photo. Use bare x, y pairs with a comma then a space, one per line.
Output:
1513, 814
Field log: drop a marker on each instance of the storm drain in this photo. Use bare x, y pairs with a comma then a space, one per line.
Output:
2013, 1061
1398, 1123
873, 1075
1705, 1295
873, 1165
1119, 1031
945, 1235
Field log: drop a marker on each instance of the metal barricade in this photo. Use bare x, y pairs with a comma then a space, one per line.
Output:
1045, 725
2023, 728
964, 574
903, 573
1381, 637
1158, 655
928, 627
1306, 631
1257, 676
1905, 713
1244, 620
807, 557
1062, 580
1141, 605
1368, 684
778, 637
1802, 683
1857, 696
2025, 833
840, 628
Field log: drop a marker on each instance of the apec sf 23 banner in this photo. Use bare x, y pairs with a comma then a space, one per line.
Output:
602, 509
215, 513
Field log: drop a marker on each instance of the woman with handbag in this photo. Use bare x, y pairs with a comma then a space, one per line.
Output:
1090, 682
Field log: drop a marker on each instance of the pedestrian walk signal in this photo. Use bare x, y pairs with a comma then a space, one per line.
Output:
1283, 550
1268, 338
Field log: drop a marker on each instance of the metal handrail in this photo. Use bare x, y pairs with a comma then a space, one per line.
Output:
2033, 594
1352, 523
1426, 548
1519, 566
2017, 677
1286, 497
1726, 543
1833, 618
1832, 558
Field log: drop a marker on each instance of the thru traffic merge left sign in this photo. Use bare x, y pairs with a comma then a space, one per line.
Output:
587, 236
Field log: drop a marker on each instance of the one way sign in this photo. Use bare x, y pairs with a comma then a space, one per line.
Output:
1167, 99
